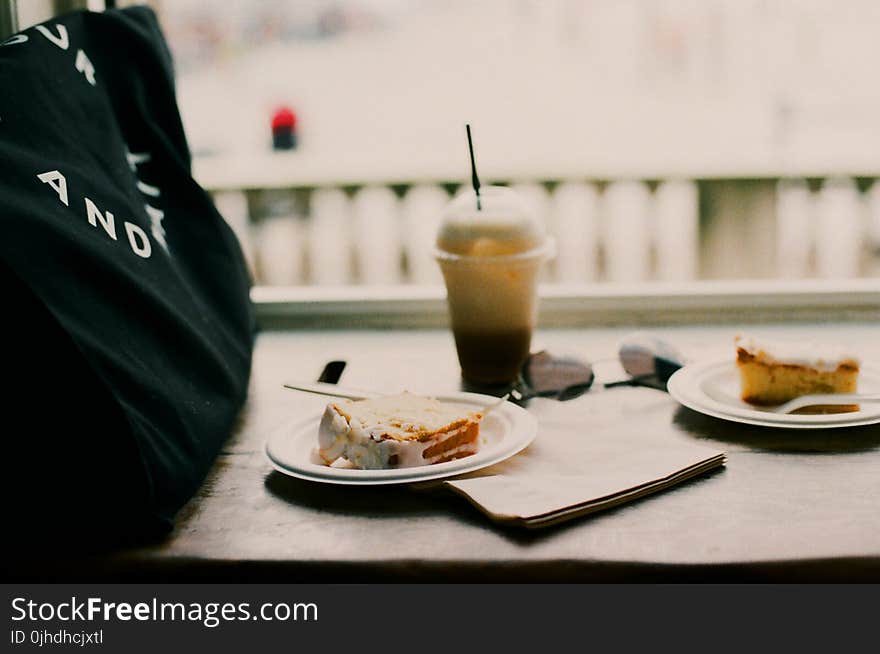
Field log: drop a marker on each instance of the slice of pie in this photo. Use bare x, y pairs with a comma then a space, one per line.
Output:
397, 431
774, 373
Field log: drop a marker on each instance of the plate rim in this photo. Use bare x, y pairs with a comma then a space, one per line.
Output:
701, 370
409, 475
676, 381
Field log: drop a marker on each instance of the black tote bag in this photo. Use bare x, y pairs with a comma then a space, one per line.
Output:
127, 329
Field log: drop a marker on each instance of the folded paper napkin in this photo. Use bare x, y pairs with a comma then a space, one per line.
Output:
593, 453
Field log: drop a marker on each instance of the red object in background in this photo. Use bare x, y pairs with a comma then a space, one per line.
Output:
284, 129
283, 117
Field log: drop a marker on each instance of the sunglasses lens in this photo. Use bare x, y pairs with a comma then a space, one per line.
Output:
557, 376
666, 368
572, 392
643, 354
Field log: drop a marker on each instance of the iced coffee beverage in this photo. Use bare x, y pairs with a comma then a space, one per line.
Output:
491, 257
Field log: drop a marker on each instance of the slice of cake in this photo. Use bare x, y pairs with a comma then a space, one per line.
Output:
774, 373
397, 431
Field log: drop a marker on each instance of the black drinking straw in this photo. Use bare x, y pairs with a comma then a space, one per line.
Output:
474, 179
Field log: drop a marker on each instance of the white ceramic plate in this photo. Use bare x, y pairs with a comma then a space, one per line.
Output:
713, 389
507, 430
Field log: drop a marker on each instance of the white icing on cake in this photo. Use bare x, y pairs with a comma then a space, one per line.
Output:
384, 432
822, 357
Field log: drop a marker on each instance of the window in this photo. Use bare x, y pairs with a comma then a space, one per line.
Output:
662, 141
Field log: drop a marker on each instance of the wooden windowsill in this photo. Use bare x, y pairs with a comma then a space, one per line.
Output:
600, 304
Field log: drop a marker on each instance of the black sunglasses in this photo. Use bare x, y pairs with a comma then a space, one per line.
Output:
650, 362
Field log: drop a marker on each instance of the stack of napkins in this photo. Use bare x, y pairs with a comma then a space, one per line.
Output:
593, 453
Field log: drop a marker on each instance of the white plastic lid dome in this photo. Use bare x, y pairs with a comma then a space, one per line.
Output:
503, 225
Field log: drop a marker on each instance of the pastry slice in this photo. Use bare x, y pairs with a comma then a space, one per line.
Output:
397, 431
774, 373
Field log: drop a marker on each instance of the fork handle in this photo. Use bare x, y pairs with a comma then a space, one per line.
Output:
828, 398
843, 398
332, 390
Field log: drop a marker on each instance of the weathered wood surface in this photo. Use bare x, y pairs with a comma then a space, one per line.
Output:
789, 506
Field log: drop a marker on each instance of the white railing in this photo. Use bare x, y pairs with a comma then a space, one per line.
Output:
622, 231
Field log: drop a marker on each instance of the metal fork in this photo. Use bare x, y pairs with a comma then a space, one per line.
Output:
829, 398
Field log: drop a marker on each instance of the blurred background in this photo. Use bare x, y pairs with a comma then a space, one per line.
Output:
667, 140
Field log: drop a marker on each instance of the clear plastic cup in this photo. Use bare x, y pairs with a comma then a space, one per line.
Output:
491, 258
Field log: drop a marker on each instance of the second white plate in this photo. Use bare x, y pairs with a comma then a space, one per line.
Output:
507, 430
713, 389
